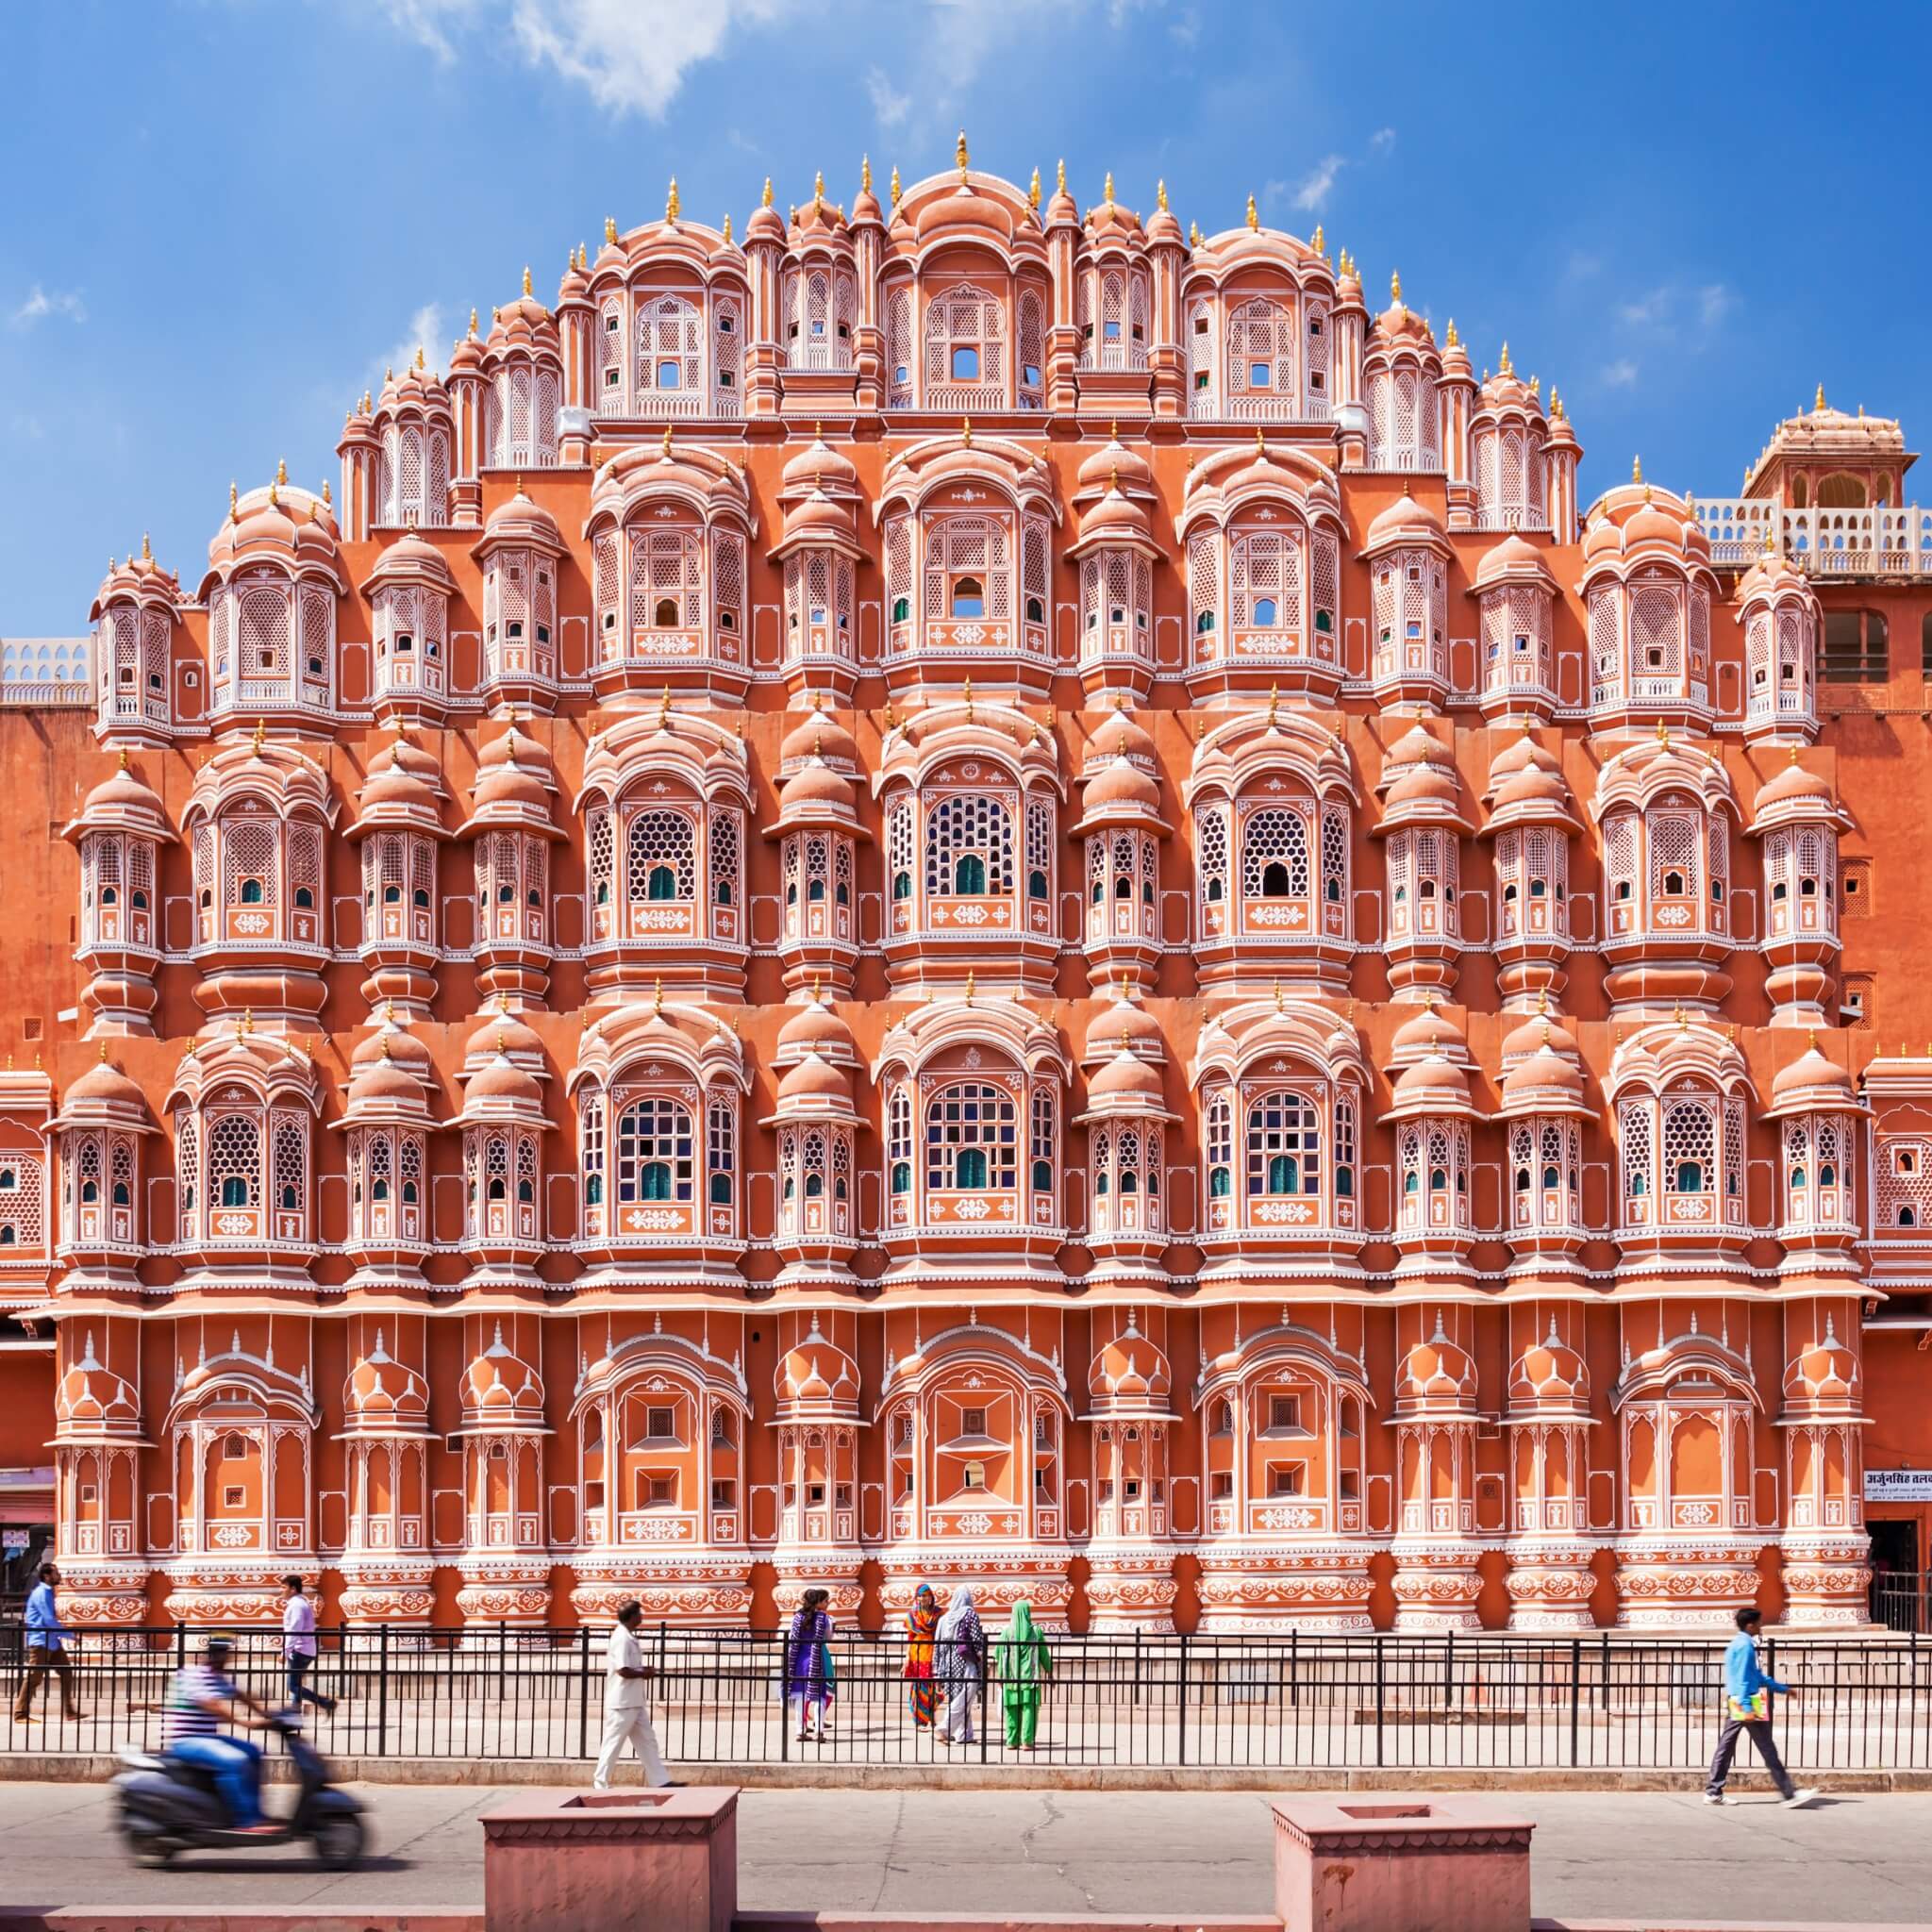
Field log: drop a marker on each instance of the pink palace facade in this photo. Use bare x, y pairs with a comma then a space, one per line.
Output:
962, 890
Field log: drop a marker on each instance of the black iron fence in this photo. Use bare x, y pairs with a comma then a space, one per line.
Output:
1902, 1601
1601, 1701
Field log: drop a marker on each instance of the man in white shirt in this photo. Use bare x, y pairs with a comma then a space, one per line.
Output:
298, 1646
626, 1714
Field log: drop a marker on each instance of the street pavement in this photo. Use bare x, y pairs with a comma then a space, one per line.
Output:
1598, 1855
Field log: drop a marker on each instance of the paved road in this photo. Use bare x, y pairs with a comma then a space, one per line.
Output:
1620, 1856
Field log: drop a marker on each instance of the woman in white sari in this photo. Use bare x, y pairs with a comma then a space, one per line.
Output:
959, 1647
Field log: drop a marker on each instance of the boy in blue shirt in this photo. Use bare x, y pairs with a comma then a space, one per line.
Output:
1747, 1707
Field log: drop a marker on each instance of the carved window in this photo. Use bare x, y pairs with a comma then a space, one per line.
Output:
1284, 1146
969, 847
657, 1152
972, 1138
661, 855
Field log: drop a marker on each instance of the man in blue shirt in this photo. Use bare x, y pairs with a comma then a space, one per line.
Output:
46, 1652
1747, 1707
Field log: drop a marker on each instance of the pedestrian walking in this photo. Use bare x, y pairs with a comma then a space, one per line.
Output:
626, 1705
45, 1638
1748, 1692
808, 1662
958, 1644
298, 1646
1024, 1663
922, 1693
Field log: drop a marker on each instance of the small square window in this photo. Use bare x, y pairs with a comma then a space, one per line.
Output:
973, 1421
965, 362
234, 1497
723, 1493
661, 1491
670, 374
1286, 1478
1284, 1414
660, 1425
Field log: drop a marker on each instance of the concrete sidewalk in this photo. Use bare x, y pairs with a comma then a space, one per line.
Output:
1631, 1856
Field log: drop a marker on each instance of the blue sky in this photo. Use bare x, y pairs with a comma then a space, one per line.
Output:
224, 216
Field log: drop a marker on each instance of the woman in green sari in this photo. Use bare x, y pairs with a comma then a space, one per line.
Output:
1024, 1663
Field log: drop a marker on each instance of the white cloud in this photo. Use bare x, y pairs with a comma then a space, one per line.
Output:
1582, 265
1622, 374
1382, 140
630, 55
1714, 302
41, 302
1185, 26
1646, 310
1313, 193
888, 103
424, 332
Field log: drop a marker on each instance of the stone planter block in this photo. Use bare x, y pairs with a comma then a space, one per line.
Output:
611, 1861
1399, 1865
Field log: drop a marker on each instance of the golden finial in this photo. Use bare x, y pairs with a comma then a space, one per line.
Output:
103, 1053
1060, 176
1106, 188
969, 983
1254, 214
1273, 704
966, 691
1395, 288
657, 997
367, 402
1543, 999
1280, 1001
817, 984
895, 185
1318, 238
818, 189
891, 719
147, 556
1260, 442
421, 362
260, 732
1770, 549
727, 227
1454, 340
1160, 196
1636, 469
966, 431
124, 758
247, 1020
1033, 192
282, 471
327, 501
1114, 479
1818, 403
609, 229
1506, 369
526, 279
865, 173
1682, 1021
664, 707
1663, 732
959, 156
666, 451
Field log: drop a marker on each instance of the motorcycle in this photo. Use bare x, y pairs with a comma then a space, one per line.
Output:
167, 1806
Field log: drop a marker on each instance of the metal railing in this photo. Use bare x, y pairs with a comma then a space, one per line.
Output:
1902, 1601
1601, 1701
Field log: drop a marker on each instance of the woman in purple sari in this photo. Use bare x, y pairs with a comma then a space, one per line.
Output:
808, 1662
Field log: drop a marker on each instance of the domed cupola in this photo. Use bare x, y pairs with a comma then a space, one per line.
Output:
504, 1120
1128, 1124
398, 828
1401, 369
1423, 825
1531, 820
1116, 551
513, 831
274, 578
522, 551
118, 835
820, 552
1408, 554
1647, 586
1508, 434
818, 831
414, 433
1515, 595
1433, 1113
817, 1127
135, 614
1798, 822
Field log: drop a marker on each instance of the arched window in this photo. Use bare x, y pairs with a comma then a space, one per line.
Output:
655, 1152
971, 1138
1284, 1146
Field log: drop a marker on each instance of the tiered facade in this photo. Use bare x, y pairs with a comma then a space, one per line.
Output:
959, 891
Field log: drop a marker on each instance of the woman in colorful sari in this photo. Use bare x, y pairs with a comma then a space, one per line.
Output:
922, 1620
957, 1646
1024, 1663
808, 1662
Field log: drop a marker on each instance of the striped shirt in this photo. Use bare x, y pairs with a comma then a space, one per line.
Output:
186, 1715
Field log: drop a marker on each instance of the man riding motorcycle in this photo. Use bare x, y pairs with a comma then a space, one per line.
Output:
201, 1696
